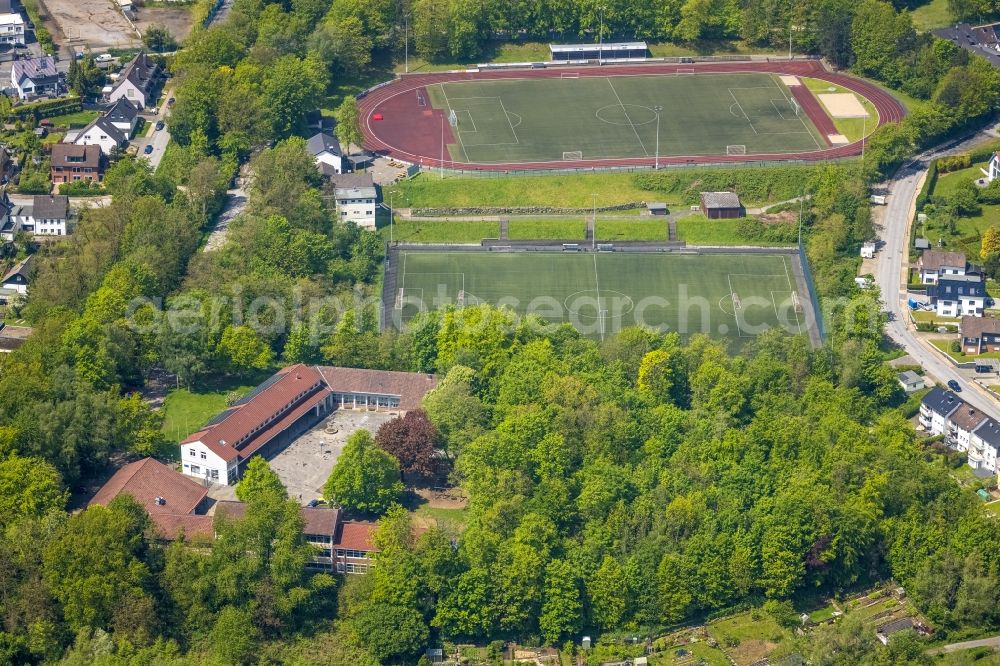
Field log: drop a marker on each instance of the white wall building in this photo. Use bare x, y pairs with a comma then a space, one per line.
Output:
101, 132
34, 76
992, 170
964, 427
357, 199
325, 149
958, 296
935, 409
11, 29
935, 264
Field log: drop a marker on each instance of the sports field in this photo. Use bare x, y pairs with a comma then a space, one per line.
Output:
724, 295
572, 118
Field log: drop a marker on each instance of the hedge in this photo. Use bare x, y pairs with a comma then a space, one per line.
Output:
930, 182
48, 107
41, 34
81, 188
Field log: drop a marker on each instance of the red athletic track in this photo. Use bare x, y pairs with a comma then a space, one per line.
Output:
411, 135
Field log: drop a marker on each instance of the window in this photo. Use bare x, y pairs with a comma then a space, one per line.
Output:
191, 451
195, 469
215, 475
204, 456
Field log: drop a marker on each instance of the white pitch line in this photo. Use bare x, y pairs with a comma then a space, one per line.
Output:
509, 124
641, 144
458, 132
733, 95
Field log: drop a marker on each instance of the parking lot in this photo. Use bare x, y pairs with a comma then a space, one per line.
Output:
305, 465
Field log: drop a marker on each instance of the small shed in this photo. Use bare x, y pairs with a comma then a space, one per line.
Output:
910, 381
868, 250
585, 643
922, 244
721, 205
657, 208
888, 630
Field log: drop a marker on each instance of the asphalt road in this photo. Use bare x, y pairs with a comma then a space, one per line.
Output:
993, 642
891, 264
159, 138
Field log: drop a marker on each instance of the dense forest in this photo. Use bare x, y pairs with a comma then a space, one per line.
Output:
623, 486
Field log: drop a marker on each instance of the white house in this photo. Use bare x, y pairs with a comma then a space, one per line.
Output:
868, 250
101, 132
124, 115
356, 198
50, 214
935, 264
958, 296
910, 381
137, 82
325, 149
35, 76
985, 446
992, 170
935, 409
11, 28
16, 280
961, 424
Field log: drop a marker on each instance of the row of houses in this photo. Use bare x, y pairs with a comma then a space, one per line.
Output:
285, 406
47, 215
12, 24
355, 193
180, 507
964, 428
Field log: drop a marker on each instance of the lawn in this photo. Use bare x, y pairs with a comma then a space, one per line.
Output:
631, 230
529, 229
933, 14
852, 128
968, 230
577, 191
186, 410
929, 317
748, 637
525, 120
441, 232
700, 651
699, 230
74, 120
600, 293
945, 346
993, 507
454, 518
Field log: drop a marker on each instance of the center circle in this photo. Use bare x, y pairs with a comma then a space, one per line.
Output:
592, 299
626, 114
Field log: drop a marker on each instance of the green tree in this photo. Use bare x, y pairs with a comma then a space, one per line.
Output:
348, 126
391, 633
234, 636
258, 481
158, 38
365, 477
29, 487
561, 610
244, 349
608, 596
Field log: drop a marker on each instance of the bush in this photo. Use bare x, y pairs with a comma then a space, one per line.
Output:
955, 346
36, 182
81, 188
47, 107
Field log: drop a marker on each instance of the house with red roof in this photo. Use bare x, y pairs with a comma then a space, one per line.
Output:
179, 507
286, 405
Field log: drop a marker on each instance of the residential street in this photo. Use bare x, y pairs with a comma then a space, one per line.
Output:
159, 138
891, 266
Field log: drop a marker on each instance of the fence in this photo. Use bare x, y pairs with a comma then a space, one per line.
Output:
813, 296
555, 171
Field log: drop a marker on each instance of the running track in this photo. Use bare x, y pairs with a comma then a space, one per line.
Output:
416, 136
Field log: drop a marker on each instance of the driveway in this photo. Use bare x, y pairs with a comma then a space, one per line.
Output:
890, 275
157, 138
993, 642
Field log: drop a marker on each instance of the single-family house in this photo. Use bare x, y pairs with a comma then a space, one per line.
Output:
934, 264
721, 205
293, 400
958, 295
138, 82
935, 409
961, 423
326, 150
356, 198
16, 281
72, 163
124, 115
11, 27
49, 214
33, 77
984, 446
992, 170
979, 334
910, 381
102, 132
868, 250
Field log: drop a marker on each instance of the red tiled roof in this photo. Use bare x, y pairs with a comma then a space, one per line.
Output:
409, 386
245, 430
147, 479
90, 155
356, 536
169, 526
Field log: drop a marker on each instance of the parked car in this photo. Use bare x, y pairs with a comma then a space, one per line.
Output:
170, 102
159, 125
148, 149
953, 385
104, 57
313, 503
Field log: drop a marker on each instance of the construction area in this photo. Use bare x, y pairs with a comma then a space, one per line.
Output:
97, 25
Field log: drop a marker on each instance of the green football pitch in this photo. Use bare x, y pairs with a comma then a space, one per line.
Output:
724, 295
521, 120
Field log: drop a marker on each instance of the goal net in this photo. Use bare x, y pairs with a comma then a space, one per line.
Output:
461, 298
685, 70
796, 107
569, 75
737, 305
453, 118
737, 149
796, 304
421, 100
573, 155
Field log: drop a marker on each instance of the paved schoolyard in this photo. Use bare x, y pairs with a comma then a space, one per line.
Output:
305, 465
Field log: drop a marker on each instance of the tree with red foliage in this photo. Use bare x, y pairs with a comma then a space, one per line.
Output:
413, 440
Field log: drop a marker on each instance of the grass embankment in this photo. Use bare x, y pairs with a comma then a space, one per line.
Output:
73, 120
441, 232
699, 230
540, 229
852, 128
968, 229
932, 15
675, 187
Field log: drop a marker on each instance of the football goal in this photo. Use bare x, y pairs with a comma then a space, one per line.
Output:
573, 155
736, 149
